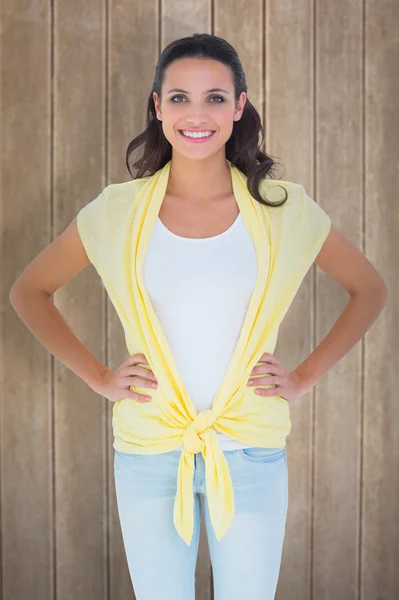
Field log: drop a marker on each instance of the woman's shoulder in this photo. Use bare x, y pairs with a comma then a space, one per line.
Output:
112, 202
119, 195
299, 211
99, 220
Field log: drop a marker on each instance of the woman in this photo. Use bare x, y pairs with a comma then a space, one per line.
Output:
201, 265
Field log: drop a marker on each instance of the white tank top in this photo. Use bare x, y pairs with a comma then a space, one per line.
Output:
200, 290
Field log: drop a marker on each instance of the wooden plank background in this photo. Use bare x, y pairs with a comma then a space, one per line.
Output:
75, 77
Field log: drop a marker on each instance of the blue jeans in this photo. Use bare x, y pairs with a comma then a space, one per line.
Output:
245, 562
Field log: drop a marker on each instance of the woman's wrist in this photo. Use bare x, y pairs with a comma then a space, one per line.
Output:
100, 379
305, 384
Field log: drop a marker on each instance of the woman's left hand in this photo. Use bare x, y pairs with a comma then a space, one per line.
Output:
289, 384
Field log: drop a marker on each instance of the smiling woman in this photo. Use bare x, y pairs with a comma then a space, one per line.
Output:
201, 295
195, 91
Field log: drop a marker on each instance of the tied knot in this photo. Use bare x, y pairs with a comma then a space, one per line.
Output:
192, 439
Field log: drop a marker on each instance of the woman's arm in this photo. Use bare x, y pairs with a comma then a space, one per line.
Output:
30, 295
349, 267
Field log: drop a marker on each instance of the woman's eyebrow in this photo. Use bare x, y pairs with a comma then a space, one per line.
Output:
207, 92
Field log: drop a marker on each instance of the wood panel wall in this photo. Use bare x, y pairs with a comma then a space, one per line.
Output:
75, 77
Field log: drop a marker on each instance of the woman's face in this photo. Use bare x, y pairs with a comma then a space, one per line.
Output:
188, 104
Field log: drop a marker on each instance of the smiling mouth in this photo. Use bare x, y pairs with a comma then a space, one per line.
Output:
195, 138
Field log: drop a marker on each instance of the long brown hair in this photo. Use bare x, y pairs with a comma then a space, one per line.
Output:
242, 148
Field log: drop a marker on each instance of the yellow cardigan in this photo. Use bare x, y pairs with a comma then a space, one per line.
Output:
115, 229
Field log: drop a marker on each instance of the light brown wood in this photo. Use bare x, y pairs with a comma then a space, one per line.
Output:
378, 481
327, 98
27, 544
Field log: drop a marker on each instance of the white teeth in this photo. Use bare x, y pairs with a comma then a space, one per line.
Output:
197, 134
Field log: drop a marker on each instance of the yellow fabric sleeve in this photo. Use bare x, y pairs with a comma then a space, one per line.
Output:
90, 223
301, 227
315, 225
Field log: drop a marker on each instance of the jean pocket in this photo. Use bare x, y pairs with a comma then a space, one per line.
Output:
258, 454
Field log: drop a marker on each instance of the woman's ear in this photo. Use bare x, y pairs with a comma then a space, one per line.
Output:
240, 106
157, 106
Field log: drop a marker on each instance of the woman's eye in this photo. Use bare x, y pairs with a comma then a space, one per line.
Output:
173, 97
180, 96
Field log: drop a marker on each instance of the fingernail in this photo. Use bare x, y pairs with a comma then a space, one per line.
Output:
250, 381
257, 391
154, 385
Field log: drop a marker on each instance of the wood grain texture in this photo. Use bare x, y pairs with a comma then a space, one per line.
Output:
379, 573
27, 478
75, 79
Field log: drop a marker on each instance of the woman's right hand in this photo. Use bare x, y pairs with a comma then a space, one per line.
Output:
115, 385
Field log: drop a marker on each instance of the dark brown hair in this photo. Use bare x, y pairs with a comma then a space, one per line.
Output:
242, 148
